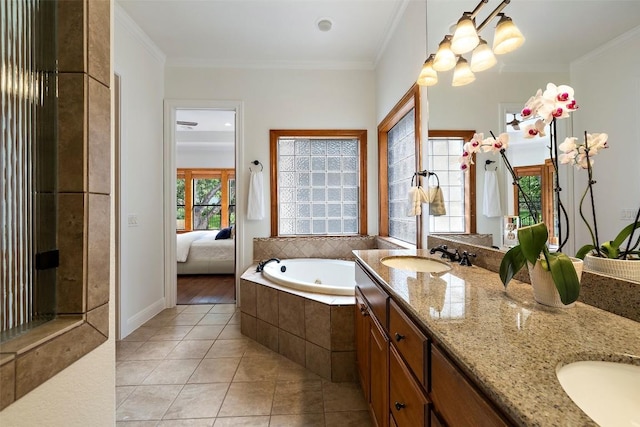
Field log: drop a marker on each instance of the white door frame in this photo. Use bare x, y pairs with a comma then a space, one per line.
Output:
169, 186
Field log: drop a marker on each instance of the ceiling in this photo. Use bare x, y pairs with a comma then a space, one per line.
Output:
284, 34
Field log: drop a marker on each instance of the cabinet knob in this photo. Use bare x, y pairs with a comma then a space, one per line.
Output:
399, 337
400, 405
363, 310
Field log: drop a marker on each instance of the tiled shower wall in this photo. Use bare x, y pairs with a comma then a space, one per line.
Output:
84, 185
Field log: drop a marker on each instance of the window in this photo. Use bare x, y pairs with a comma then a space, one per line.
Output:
206, 199
537, 182
318, 182
458, 187
398, 159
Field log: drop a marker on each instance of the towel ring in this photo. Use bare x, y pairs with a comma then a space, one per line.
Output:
488, 162
256, 162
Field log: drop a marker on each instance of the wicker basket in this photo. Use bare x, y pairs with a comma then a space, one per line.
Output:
623, 269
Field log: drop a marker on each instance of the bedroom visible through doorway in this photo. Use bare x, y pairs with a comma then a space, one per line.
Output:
205, 205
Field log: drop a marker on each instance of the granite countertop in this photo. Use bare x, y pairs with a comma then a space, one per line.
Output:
509, 344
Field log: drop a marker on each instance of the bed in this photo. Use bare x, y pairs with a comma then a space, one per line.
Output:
199, 253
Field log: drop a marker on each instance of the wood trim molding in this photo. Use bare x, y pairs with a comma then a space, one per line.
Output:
470, 177
410, 100
360, 134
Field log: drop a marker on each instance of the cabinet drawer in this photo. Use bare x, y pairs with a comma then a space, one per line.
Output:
409, 341
375, 296
407, 403
455, 399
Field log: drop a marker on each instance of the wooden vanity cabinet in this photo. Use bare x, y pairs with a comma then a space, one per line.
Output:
407, 380
372, 355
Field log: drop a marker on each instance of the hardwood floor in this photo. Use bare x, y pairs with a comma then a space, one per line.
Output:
206, 289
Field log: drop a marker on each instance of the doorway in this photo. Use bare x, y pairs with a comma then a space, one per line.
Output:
200, 203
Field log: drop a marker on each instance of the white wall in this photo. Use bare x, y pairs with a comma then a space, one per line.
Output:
204, 157
141, 68
607, 89
283, 99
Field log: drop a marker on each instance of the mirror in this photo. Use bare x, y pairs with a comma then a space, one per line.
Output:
559, 48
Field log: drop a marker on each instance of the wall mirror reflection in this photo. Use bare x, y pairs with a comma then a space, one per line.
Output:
595, 64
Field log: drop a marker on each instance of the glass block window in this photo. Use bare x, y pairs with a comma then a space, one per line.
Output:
401, 164
318, 185
443, 159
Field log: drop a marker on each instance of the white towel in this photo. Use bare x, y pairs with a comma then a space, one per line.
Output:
255, 205
436, 206
491, 196
415, 202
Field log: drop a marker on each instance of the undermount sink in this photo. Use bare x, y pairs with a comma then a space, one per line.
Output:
416, 263
608, 392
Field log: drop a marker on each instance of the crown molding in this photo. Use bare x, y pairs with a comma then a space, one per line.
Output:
634, 32
122, 18
294, 65
391, 29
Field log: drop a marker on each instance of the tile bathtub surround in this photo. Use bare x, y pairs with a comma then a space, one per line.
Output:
618, 296
224, 380
336, 247
315, 331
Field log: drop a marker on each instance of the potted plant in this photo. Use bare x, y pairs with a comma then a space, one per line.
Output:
614, 257
555, 277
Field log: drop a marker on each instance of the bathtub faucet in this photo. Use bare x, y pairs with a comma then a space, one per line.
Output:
262, 264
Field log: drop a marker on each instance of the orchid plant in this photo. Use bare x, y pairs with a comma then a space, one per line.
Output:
581, 155
556, 102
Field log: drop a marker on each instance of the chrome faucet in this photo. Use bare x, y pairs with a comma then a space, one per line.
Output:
262, 264
453, 256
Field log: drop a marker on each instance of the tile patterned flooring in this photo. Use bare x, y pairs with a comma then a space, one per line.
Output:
191, 366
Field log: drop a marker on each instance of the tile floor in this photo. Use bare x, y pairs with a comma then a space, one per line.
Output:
191, 366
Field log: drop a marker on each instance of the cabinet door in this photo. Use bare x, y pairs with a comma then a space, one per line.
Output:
408, 404
379, 370
457, 400
362, 343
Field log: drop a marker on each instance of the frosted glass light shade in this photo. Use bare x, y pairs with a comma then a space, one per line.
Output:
428, 76
445, 59
465, 38
507, 37
462, 75
482, 58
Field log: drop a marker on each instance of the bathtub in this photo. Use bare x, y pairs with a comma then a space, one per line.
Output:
323, 276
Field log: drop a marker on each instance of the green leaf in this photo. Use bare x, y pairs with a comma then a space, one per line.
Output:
532, 240
609, 250
511, 263
584, 251
564, 276
626, 232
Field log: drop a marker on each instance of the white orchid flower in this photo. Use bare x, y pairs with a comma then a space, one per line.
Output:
532, 105
568, 145
536, 129
597, 141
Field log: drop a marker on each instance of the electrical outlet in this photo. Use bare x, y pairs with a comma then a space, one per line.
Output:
132, 220
627, 214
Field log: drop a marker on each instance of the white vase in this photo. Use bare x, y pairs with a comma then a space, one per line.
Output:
623, 269
544, 290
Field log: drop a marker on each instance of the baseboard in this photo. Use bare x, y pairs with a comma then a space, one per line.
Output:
140, 318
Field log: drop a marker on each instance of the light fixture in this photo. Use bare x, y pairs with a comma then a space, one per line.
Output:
482, 58
462, 74
428, 76
445, 59
507, 37
465, 37
324, 24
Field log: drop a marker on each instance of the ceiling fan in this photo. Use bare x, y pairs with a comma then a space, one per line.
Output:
185, 123
515, 123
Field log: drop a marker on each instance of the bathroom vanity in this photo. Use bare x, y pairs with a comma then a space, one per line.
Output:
457, 349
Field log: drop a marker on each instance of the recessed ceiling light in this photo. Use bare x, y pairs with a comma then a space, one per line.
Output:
227, 124
324, 24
